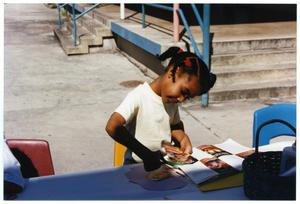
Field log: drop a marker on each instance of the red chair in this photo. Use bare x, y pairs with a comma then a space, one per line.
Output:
34, 156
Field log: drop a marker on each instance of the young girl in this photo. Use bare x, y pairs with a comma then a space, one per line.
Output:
149, 114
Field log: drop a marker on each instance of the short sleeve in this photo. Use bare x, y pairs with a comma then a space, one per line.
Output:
129, 106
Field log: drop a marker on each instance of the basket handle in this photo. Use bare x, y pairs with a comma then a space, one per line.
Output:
267, 123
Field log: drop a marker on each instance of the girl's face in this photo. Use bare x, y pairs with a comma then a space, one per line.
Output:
185, 87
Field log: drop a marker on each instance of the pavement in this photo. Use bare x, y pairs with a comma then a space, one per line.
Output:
67, 100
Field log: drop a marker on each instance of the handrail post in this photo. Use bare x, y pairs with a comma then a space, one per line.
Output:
175, 23
206, 45
74, 25
59, 17
122, 11
143, 16
206, 35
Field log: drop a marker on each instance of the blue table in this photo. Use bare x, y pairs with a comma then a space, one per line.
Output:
112, 184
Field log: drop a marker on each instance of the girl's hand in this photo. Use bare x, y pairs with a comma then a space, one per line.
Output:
185, 145
167, 147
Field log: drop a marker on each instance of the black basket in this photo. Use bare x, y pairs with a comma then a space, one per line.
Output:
261, 174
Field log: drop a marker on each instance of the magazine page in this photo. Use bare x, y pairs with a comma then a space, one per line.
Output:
212, 161
226, 152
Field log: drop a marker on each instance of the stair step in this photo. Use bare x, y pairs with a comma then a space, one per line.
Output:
255, 77
66, 40
80, 30
253, 45
271, 89
227, 69
250, 37
291, 81
258, 57
101, 17
235, 47
94, 26
85, 35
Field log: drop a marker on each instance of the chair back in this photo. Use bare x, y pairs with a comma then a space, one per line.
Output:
34, 154
119, 151
286, 112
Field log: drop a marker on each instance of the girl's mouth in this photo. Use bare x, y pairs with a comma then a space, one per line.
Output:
172, 100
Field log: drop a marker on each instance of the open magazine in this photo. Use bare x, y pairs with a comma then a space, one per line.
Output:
214, 161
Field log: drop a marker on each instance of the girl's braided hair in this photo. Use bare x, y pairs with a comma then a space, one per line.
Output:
190, 64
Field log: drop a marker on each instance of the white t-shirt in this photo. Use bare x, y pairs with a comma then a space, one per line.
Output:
147, 118
12, 171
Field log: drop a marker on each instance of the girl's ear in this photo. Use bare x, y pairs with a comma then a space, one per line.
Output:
178, 72
170, 71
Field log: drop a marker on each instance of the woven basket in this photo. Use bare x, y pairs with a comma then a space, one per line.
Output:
261, 174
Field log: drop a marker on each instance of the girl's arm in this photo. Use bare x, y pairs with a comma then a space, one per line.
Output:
177, 132
115, 128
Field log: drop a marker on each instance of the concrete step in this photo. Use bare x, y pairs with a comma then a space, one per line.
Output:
229, 69
250, 37
66, 40
253, 45
258, 57
269, 89
85, 35
101, 17
90, 34
229, 76
94, 26
243, 46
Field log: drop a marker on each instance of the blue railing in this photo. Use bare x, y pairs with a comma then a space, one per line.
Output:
204, 25
74, 17
59, 7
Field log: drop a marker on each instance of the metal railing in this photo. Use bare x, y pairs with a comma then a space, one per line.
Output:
74, 18
204, 25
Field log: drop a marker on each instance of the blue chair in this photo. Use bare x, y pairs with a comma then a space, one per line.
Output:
285, 112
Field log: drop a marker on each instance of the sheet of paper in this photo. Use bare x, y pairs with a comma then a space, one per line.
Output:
198, 172
278, 146
198, 154
232, 146
233, 161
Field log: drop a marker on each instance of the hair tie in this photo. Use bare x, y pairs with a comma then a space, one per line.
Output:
179, 50
187, 62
